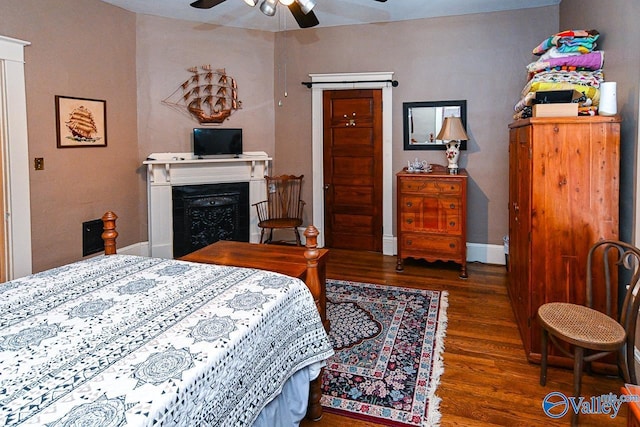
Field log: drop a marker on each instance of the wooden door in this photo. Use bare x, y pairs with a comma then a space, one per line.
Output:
352, 121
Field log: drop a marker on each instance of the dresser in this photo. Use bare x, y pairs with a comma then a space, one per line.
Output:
563, 197
432, 216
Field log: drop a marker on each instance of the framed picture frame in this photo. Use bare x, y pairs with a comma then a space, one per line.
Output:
81, 122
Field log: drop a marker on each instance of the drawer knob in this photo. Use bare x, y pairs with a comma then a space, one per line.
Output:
452, 206
409, 242
410, 221
409, 204
452, 223
452, 245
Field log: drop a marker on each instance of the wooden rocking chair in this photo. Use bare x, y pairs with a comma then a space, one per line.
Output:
283, 207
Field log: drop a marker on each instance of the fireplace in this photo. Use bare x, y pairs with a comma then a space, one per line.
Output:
167, 172
204, 214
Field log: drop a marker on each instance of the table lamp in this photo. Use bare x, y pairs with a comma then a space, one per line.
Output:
452, 132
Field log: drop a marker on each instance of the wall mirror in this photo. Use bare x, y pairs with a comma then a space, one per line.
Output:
423, 120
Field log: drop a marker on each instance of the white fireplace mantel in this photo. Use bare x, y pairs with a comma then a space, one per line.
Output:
166, 170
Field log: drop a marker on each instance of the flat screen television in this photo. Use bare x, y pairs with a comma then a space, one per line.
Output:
211, 142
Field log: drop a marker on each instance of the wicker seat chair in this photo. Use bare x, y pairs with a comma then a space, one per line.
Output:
283, 207
590, 333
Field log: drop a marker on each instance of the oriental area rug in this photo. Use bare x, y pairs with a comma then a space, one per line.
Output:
388, 344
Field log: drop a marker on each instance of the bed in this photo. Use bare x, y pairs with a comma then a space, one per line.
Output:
127, 340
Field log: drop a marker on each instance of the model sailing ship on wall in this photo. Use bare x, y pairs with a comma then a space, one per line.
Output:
209, 96
81, 124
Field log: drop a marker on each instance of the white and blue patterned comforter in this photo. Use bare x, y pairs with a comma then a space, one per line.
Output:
125, 340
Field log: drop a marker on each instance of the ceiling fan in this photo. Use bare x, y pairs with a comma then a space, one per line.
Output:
300, 9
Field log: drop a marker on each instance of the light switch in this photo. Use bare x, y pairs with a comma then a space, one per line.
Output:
38, 163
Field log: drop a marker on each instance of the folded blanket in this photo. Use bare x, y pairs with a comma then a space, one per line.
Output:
587, 61
555, 53
526, 101
576, 33
583, 41
587, 78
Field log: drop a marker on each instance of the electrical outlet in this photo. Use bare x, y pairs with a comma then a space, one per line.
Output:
38, 163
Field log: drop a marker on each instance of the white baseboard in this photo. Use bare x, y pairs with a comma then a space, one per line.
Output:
389, 245
485, 253
140, 249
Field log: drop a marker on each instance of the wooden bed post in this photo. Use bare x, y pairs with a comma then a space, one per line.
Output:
313, 278
318, 290
109, 234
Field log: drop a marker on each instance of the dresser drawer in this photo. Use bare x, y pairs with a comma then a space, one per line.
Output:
431, 214
451, 224
434, 244
431, 186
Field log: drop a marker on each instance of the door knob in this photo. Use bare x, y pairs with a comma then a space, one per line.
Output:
326, 187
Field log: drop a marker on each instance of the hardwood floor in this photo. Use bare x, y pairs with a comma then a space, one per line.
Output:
487, 379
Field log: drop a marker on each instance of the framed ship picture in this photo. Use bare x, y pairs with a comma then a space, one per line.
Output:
81, 122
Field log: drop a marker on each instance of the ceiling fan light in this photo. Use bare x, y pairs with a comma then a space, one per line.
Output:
306, 5
286, 2
251, 3
268, 7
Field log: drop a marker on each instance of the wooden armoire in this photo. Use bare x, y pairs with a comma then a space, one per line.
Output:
563, 196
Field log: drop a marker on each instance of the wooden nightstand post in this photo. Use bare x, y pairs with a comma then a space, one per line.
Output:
432, 216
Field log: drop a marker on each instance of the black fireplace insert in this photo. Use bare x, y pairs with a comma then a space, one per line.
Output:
204, 214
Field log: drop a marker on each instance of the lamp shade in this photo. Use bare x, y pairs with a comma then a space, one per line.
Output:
452, 129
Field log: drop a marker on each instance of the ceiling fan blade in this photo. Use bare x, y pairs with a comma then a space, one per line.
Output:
206, 4
304, 21
381, 1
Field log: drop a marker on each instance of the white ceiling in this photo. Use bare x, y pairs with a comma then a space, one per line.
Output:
236, 13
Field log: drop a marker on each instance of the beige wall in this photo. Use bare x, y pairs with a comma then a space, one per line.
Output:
480, 58
165, 49
81, 49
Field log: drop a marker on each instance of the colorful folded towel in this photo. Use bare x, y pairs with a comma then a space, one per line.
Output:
588, 61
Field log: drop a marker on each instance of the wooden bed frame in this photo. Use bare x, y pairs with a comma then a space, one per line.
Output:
311, 253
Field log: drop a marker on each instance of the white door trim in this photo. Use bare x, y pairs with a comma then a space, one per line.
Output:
337, 81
